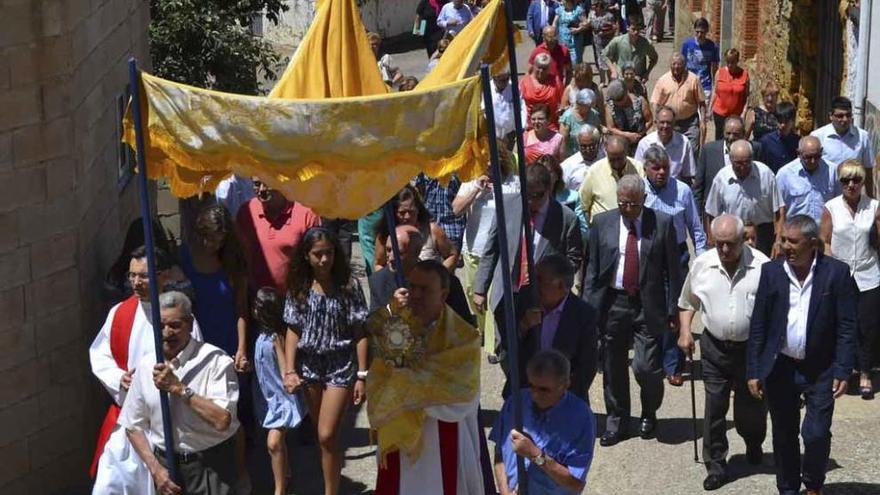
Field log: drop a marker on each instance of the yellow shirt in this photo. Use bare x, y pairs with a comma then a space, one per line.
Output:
599, 189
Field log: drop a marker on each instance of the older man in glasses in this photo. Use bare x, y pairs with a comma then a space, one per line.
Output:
599, 188
590, 151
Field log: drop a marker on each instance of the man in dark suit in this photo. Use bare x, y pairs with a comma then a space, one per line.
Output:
562, 322
633, 280
801, 342
556, 231
715, 155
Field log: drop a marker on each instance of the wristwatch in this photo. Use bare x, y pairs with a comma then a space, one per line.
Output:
362, 375
540, 459
188, 393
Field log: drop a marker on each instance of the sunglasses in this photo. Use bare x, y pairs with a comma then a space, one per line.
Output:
851, 180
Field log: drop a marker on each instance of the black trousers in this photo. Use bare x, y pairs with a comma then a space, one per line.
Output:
869, 327
765, 237
624, 328
724, 370
209, 472
343, 229
783, 389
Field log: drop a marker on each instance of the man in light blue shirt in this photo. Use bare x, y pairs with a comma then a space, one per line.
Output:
454, 16
807, 182
841, 141
558, 432
673, 197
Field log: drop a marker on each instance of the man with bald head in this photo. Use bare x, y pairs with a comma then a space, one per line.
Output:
559, 54
681, 91
599, 188
807, 182
747, 189
722, 284
383, 283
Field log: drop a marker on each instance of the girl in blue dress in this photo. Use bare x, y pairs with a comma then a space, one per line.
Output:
325, 346
278, 409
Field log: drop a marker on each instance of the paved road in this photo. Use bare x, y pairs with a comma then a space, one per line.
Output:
635, 466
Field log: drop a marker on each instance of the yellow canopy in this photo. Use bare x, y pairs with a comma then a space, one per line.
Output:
329, 135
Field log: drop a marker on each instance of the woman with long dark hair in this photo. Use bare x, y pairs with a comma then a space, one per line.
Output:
325, 346
409, 209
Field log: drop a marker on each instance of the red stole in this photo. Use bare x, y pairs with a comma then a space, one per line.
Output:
388, 482
120, 332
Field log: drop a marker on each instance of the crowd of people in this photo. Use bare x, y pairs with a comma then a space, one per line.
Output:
638, 222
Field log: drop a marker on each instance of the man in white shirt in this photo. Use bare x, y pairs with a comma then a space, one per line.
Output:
676, 144
722, 284
202, 392
747, 189
502, 103
125, 338
801, 343
590, 151
841, 140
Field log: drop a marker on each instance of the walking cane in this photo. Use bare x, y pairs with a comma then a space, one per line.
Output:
693, 406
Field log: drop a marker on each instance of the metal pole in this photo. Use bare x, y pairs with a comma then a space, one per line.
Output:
391, 222
694, 407
146, 217
518, 130
509, 310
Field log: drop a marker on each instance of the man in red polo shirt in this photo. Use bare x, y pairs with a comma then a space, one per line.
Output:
270, 227
561, 66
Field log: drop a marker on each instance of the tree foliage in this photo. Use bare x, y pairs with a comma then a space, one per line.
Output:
209, 43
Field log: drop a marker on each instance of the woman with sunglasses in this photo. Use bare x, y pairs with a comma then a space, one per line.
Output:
847, 222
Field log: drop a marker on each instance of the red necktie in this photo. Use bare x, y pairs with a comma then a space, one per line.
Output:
524, 259
631, 262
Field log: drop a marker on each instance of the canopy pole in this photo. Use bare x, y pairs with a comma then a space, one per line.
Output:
509, 309
519, 138
391, 223
146, 217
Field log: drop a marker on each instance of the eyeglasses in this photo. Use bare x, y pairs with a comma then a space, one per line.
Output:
627, 204
850, 180
841, 116
588, 146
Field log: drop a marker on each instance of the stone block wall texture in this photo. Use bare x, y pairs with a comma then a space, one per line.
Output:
778, 40
62, 217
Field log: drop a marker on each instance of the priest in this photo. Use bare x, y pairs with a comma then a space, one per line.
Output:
423, 390
124, 339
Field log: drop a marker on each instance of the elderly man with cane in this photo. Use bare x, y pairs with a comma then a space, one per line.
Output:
722, 284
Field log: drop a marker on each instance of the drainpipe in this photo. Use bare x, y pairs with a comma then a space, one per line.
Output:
862, 62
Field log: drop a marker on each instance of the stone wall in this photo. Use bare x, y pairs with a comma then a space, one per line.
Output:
62, 211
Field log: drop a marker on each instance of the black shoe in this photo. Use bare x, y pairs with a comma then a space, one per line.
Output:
754, 455
647, 427
610, 438
713, 482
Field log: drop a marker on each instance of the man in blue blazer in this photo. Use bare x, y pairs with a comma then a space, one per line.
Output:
541, 13
801, 342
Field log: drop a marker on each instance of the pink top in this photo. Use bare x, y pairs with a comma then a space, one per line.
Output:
535, 148
269, 244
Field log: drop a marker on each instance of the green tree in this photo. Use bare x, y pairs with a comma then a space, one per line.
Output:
209, 43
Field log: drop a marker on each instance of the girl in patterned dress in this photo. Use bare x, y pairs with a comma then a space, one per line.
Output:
326, 348
278, 409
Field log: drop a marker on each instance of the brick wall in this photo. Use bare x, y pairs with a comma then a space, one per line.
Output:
62, 65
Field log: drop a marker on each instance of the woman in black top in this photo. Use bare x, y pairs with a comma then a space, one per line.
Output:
428, 10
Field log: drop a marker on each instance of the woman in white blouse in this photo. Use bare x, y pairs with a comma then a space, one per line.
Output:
476, 199
849, 230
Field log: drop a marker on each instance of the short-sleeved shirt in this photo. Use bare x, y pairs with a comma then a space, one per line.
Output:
599, 189
806, 193
269, 243
566, 433
854, 144
681, 156
641, 53
560, 56
684, 98
327, 323
753, 199
204, 368
699, 59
